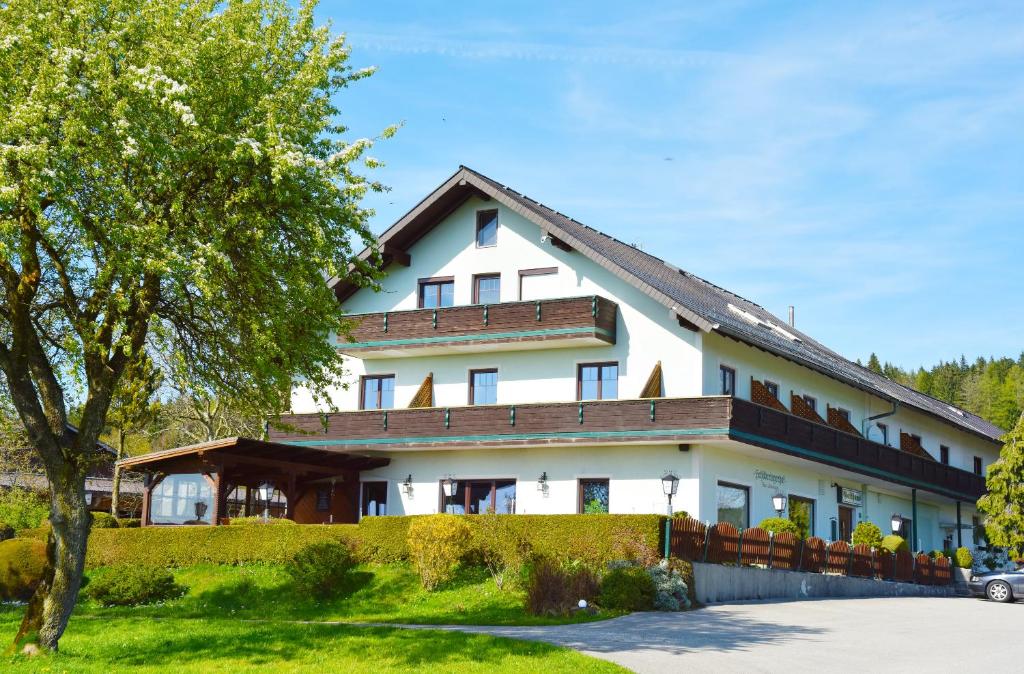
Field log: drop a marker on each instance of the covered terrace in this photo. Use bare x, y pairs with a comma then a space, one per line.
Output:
211, 482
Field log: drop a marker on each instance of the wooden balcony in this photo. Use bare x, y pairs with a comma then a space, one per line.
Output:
508, 326
662, 420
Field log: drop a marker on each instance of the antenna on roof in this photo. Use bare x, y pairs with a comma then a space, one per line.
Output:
792, 316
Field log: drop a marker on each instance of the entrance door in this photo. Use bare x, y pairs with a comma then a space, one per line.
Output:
375, 499
845, 523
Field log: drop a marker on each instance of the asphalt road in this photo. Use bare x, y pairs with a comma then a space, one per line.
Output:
830, 635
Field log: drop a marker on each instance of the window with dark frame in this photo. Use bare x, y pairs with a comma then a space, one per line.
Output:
374, 499
843, 413
977, 466
527, 273
487, 289
593, 496
436, 293
597, 381
477, 497
812, 402
727, 377
483, 387
944, 454
486, 229
772, 387
733, 504
977, 532
801, 512
377, 392
323, 499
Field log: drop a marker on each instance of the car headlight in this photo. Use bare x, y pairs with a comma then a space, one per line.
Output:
975, 579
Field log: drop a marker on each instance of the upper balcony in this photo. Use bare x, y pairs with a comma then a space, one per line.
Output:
508, 326
658, 420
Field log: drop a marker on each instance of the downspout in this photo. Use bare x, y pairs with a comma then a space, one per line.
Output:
883, 415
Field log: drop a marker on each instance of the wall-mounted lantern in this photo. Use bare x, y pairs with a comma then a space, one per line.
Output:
779, 503
449, 486
407, 485
897, 523
542, 482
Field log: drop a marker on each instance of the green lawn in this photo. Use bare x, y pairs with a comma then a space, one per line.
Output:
245, 619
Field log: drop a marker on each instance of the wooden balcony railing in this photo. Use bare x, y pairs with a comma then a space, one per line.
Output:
661, 420
574, 321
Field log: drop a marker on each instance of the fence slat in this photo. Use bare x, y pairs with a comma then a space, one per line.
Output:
838, 557
904, 567
756, 546
687, 538
943, 572
862, 564
723, 544
923, 569
813, 555
785, 548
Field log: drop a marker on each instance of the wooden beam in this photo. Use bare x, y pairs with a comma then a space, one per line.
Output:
397, 255
231, 459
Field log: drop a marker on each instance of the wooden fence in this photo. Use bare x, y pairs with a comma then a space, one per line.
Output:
722, 543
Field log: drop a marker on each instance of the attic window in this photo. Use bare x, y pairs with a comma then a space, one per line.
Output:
486, 229
754, 320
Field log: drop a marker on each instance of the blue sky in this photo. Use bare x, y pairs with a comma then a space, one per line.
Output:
864, 162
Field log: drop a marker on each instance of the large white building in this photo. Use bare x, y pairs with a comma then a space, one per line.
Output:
545, 367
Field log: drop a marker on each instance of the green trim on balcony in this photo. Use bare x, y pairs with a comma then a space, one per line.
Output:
498, 437
486, 336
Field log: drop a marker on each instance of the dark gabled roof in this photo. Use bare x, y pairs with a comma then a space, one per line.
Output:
699, 303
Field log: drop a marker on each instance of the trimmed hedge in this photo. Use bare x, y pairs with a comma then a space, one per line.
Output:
592, 539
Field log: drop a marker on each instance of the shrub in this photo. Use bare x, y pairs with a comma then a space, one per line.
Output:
554, 589
131, 585
383, 538
322, 569
503, 549
936, 554
867, 533
6, 531
894, 544
963, 558
22, 561
258, 520
629, 588
128, 523
103, 521
779, 525
671, 592
437, 543
22, 508
680, 515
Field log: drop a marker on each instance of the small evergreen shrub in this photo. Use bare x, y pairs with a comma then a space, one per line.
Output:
867, 533
671, 592
22, 561
554, 589
103, 521
963, 558
133, 585
894, 544
628, 588
437, 543
778, 525
322, 569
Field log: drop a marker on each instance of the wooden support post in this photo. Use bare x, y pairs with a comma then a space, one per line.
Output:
218, 493
913, 524
959, 533
291, 495
147, 496
248, 500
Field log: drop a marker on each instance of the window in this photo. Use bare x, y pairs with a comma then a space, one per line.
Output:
475, 497
486, 229
377, 392
885, 432
374, 500
772, 387
323, 499
977, 465
944, 454
734, 504
977, 532
801, 513
811, 402
727, 375
483, 387
843, 413
593, 497
536, 284
486, 289
182, 499
597, 381
436, 292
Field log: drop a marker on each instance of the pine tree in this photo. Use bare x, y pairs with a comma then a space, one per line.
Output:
1003, 505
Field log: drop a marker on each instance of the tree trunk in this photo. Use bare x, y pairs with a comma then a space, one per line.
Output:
115, 489
70, 530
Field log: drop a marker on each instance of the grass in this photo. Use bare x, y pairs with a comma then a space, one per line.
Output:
248, 619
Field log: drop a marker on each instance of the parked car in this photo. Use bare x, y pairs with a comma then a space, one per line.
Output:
1001, 586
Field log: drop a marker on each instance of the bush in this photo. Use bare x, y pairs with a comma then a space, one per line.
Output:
936, 554
552, 589
6, 531
437, 543
23, 508
628, 588
128, 523
103, 521
671, 592
258, 520
867, 533
322, 569
503, 549
22, 561
963, 558
779, 525
894, 544
131, 585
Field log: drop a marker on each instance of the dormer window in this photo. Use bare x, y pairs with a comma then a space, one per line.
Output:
486, 229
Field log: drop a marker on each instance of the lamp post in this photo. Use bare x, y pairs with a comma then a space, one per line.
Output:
449, 486
779, 503
897, 523
669, 484
264, 493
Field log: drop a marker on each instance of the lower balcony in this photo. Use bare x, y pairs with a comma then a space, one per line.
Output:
661, 420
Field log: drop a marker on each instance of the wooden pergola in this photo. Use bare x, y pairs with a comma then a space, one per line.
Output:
300, 473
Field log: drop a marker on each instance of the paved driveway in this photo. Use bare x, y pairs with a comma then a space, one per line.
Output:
829, 635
